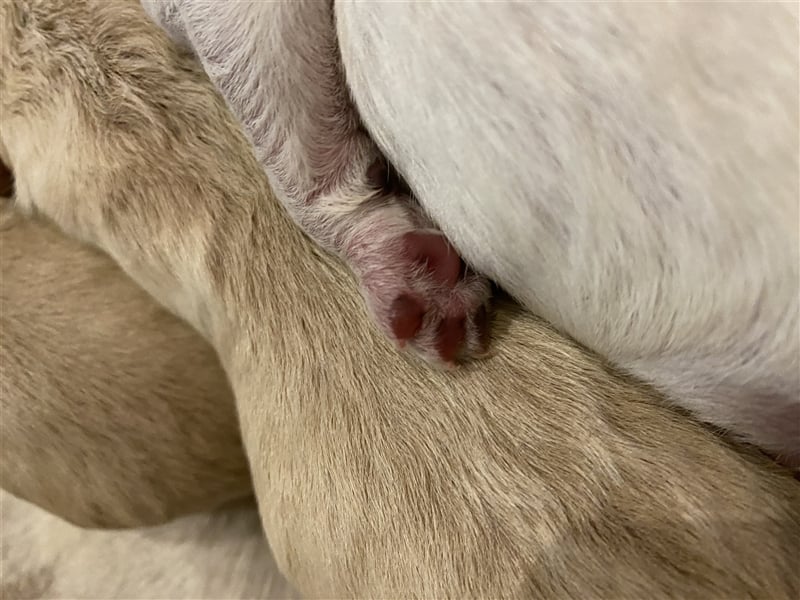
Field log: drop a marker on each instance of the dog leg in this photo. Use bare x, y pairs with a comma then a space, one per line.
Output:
277, 66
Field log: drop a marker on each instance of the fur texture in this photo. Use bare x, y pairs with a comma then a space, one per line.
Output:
104, 392
538, 472
208, 556
279, 67
628, 171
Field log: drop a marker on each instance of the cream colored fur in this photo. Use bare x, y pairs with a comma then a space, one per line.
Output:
538, 472
628, 171
220, 555
104, 395
278, 68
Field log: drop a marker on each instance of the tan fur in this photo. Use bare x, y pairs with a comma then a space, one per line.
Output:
535, 473
207, 556
608, 164
104, 395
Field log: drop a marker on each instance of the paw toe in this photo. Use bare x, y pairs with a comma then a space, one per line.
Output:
406, 317
450, 338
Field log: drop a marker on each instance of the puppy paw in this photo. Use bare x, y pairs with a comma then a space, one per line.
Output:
420, 292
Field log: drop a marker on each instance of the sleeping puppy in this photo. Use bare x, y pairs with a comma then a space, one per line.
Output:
537, 472
628, 172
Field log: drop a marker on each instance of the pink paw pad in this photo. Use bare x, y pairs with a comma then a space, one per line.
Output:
440, 308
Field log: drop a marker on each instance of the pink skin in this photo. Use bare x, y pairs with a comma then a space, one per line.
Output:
423, 295
282, 79
414, 282
416, 286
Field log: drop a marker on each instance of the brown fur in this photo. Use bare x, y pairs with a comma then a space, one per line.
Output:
103, 394
535, 473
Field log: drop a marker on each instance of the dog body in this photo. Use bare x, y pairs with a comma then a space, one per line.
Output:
537, 472
628, 172
103, 393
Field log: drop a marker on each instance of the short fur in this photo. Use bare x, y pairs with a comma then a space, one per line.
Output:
629, 172
201, 557
104, 394
535, 473
279, 66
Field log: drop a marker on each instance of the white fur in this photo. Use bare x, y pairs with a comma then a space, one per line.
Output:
628, 171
